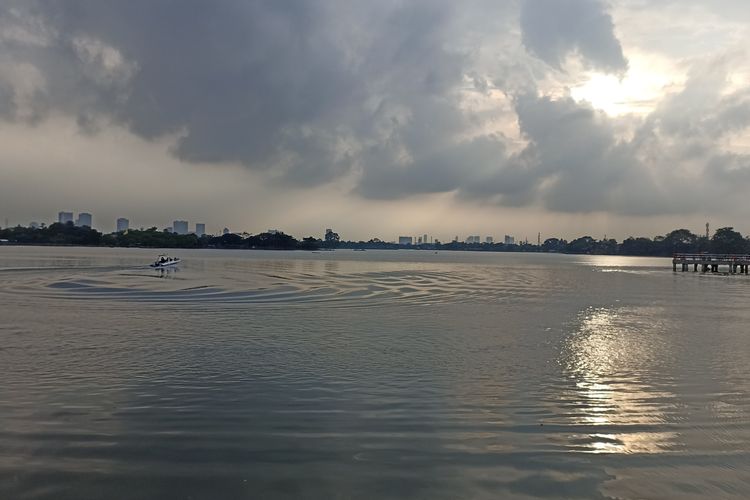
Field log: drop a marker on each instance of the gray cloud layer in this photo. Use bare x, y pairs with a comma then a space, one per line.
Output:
553, 29
380, 92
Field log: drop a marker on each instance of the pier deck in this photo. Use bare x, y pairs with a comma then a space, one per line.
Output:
710, 262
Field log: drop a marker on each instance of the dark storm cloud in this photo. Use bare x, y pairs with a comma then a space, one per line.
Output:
241, 80
298, 87
446, 168
553, 29
574, 162
577, 162
311, 92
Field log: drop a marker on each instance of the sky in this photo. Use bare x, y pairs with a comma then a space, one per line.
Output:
378, 119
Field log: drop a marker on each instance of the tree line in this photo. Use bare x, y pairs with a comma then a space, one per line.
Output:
724, 240
70, 234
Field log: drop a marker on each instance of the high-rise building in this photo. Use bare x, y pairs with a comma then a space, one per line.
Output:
84, 219
123, 224
474, 239
64, 217
34, 225
510, 240
180, 226
405, 240
200, 229
489, 240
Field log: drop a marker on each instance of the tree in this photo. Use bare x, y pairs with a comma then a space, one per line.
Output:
639, 246
727, 240
606, 247
309, 243
680, 241
331, 239
584, 244
553, 245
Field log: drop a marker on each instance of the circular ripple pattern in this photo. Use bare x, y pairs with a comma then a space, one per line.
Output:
397, 374
252, 286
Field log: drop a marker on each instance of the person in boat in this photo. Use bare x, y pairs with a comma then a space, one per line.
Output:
162, 260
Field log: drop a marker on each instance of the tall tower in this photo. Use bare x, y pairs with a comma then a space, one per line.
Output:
84, 219
64, 217
122, 224
180, 226
707, 232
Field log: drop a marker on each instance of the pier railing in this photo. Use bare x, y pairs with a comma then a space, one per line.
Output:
710, 262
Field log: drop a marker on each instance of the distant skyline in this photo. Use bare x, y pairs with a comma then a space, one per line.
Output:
183, 227
379, 119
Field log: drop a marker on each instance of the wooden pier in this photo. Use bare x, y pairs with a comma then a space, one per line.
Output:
710, 262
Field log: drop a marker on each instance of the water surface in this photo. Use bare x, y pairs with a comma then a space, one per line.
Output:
378, 374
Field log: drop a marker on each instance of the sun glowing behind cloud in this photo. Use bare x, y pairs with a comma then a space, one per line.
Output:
637, 92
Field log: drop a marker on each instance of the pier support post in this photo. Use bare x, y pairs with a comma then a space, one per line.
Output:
712, 263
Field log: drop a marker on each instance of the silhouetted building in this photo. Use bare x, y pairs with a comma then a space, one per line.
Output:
122, 224
200, 229
180, 227
510, 240
64, 217
84, 219
489, 240
225, 231
474, 239
405, 240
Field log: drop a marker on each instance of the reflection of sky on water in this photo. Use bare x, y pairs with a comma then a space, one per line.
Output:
612, 357
402, 374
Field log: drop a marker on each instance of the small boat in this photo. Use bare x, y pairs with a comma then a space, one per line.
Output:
164, 260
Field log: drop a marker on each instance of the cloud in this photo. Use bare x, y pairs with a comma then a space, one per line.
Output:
445, 169
554, 29
391, 99
299, 89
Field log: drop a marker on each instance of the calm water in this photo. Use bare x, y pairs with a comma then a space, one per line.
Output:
392, 374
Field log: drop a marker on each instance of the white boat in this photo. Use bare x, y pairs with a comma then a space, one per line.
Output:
164, 260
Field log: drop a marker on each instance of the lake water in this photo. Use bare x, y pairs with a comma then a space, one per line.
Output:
377, 374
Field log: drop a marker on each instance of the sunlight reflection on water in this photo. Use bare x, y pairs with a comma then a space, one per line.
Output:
370, 375
609, 357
